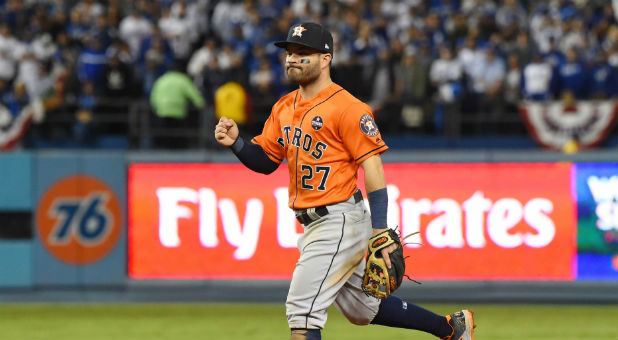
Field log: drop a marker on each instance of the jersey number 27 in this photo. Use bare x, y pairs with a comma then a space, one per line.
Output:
308, 174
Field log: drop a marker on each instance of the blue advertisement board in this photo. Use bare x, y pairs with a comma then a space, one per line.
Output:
595, 186
80, 219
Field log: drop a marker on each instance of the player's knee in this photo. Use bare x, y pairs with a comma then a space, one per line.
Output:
359, 320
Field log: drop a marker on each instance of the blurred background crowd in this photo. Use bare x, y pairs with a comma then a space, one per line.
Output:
433, 67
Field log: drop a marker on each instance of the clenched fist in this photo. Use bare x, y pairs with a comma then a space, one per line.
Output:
226, 131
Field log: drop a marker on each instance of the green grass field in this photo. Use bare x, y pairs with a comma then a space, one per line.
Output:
264, 321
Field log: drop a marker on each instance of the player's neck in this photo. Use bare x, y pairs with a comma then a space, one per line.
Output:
311, 90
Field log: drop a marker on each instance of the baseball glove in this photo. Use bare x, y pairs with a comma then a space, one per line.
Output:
379, 281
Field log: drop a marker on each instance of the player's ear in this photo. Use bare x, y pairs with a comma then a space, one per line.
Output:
326, 59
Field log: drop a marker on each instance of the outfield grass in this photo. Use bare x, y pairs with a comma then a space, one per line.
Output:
243, 321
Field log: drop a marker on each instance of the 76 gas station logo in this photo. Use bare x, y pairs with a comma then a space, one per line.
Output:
87, 220
79, 219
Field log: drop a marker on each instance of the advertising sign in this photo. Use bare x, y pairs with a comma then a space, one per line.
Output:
79, 219
475, 221
596, 187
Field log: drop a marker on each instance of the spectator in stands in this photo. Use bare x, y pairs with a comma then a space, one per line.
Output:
263, 89
412, 77
15, 14
90, 9
412, 84
34, 74
574, 36
134, 29
446, 76
168, 98
8, 45
521, 47
43, 47
456, 27
511, 18
67, 52
118, 79
16, 99
58, 20
254, 59
114, 15
151, 73
537, 79
382, 82
612, 55
39, 85
470, 56
226, 14
231, 101
7, 66
157, 62
78, 26
229, 58
232, 63
197, 14
91, 62
603, 79
202, 58
475, 10
120, 49
4, 89
545, 30
490, 83
163, 47
268, 10
512, 84
262, 82
572, 76
554, 55
213, 77
102, 31
433, 30
239, 43
83, 127
611, 39
178, 31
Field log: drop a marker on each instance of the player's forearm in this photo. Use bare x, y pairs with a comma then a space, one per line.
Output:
375, 185
374, 173
253, 156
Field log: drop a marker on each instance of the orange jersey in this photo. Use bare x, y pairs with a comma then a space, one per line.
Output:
324, 140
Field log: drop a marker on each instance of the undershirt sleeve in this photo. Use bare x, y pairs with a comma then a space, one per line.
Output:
253, 156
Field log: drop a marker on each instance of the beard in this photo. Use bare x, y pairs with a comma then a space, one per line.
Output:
305, 75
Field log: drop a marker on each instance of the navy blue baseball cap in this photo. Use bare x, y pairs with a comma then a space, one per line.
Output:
309, 34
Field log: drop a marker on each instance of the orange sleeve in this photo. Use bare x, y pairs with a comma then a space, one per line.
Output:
359, 132
271, 139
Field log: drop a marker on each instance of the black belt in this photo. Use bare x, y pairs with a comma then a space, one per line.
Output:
306, 216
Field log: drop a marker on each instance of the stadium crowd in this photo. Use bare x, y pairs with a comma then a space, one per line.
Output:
425, 66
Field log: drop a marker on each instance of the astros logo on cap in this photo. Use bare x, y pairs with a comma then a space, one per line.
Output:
298, 31
78, 220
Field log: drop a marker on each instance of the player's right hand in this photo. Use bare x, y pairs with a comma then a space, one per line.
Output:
226, 131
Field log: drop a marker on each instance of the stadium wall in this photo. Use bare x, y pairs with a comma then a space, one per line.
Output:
80, 201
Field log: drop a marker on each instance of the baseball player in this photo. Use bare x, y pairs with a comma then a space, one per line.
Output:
325, 134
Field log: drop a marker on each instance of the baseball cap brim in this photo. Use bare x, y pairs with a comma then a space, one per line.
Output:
284, 44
